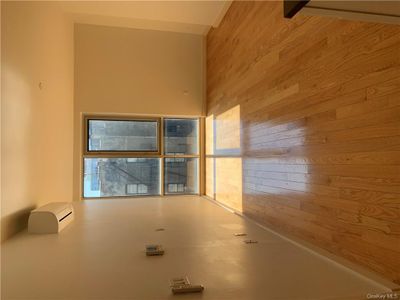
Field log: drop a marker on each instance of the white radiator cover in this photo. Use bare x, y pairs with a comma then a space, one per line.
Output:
51, 218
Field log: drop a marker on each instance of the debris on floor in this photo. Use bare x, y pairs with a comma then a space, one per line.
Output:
240, 234
152, 250
160, 229
250, 241
182, 285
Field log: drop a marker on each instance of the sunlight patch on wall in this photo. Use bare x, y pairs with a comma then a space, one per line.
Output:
262, 176
228, 181
210, 173
210, 135
223, 161
227, 132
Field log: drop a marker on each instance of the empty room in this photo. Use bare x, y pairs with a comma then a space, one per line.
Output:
241, 150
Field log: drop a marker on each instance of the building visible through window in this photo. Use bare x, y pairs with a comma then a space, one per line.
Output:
136, 189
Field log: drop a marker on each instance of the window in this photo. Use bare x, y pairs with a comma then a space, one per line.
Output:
172, 187
176, 188
122, 156
142, 189
132, 188
181, 136
139, 135
119, 177
181, 175
136, 189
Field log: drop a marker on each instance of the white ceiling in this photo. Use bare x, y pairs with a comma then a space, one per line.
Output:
180, 16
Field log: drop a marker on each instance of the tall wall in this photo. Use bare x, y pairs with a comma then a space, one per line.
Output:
36, 109
303, 129
134, 71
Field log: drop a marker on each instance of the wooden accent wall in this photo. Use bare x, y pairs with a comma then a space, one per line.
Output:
303, 128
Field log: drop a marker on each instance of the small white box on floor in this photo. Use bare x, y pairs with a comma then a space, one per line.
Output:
50, 218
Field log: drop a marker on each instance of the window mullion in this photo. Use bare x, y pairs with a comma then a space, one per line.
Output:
162, 163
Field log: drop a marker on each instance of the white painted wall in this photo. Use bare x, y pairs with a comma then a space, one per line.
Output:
134, 71
36, 124
117, 70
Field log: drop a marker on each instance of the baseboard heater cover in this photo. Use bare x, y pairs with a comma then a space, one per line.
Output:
50, 218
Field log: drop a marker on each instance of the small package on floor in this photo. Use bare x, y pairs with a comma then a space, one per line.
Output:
182, 285
152, 250
240, 234
250, 241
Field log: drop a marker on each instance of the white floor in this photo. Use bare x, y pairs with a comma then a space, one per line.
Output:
101, 256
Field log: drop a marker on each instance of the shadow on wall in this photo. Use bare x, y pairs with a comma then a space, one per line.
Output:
14, 223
